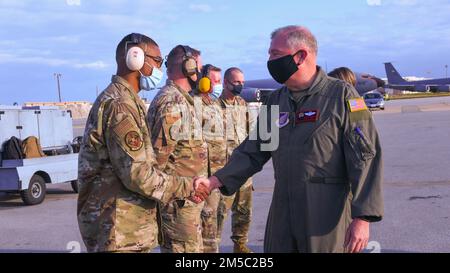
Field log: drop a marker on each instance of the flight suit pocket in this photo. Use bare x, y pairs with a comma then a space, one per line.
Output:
361, 145
325, 199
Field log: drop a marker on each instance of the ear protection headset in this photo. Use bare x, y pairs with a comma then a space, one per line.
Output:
135, 56
204, 84
189, 64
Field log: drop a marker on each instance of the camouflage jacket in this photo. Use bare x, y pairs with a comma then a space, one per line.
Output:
236, 122
176, 133
120, 186
213, 132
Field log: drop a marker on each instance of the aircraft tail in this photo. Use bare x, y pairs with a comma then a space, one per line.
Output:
392, 74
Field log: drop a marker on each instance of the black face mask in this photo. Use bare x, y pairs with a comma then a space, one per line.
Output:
283, 68
192, 83
237, 89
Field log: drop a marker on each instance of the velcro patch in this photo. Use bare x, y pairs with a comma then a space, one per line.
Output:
356, 105
125, 126
306, 116
360, 116
133, 140
283, 119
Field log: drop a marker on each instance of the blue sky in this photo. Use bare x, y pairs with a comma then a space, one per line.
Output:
77, 38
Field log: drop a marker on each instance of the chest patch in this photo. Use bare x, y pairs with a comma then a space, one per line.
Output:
283, 119
306, 116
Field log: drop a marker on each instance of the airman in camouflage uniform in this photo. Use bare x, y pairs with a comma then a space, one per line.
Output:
213, 132
180, 149
120, 186
235, 113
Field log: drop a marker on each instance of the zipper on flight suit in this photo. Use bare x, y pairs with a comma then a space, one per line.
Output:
317, 129
305, 203
296, 105
293, 104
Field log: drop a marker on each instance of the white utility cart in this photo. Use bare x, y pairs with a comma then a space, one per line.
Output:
29, 177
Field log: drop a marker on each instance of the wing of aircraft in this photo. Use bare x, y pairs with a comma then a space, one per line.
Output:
258, 90
366, 83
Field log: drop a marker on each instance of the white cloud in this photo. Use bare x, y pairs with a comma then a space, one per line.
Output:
54, 62
200, 7
73, 2
40, 41
93, 65
374, 2
392, 2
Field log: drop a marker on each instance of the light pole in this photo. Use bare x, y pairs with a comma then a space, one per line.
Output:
58, 76
446, 70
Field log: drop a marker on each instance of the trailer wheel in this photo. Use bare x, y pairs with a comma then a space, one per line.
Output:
35, 193
74, 185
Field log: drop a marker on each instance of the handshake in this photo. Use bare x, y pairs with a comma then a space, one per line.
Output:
203, 187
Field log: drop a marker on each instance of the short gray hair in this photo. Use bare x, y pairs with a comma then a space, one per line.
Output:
297, 36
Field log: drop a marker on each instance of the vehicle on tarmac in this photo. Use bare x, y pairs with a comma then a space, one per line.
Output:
374, 100
59, 161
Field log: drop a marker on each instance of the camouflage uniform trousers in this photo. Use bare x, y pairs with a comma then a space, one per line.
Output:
240, 204
210, 221
182, 227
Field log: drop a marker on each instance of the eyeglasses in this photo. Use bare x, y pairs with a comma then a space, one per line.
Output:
157, 59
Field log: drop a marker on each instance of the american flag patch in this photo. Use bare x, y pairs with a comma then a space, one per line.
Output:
356, 105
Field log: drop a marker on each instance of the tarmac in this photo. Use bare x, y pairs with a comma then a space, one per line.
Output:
415, 136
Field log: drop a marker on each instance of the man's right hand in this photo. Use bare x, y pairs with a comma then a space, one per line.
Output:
211, 183
201, 190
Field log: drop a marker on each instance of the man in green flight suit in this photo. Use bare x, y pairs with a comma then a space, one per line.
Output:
327, 164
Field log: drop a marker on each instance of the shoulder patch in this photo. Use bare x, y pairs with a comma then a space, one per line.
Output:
359, 116
125, 126
133, 140
356, 105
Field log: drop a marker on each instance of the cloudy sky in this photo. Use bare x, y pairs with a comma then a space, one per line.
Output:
77, 38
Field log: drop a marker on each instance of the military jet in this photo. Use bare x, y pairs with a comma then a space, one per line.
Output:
396, 81
258, 90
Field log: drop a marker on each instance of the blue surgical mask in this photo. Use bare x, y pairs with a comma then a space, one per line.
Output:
148, 83
216, 91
